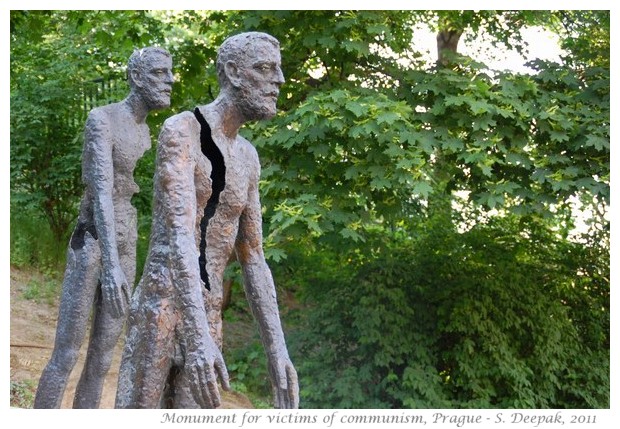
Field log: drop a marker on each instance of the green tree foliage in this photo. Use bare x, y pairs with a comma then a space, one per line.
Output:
425, 207
441, 319
55, 58
370, 147
371, 138
585, 36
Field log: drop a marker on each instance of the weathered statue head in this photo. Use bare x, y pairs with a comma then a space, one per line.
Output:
248, 70
149, 72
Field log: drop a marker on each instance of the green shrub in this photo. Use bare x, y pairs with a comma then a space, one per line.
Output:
247, 368
495, 317
32, 243
45, 290
22, 393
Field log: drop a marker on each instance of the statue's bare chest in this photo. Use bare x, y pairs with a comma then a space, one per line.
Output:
223, 181
128, 148
221, 196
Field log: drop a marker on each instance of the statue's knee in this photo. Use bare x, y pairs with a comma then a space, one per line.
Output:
64, 360
97, 365
100, 370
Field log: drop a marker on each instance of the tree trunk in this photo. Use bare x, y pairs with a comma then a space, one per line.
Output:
440, 201
447, 44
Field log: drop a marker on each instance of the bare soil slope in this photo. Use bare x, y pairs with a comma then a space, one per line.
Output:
33, 327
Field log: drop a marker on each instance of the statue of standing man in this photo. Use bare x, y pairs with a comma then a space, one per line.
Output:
205, 207
101, 259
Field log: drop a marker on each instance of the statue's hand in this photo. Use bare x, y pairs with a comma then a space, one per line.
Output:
204, 363
115, 291
284, 381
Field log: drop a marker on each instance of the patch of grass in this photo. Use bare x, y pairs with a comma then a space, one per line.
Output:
45, 290
261, 402
32, 243
22, 393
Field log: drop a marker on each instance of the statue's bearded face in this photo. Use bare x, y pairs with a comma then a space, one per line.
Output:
155, 81
260, 80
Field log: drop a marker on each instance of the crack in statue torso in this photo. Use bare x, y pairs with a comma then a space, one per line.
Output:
218, 182
207, 207
77, 239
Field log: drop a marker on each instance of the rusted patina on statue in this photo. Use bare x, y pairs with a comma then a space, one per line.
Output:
101, 259
205, 207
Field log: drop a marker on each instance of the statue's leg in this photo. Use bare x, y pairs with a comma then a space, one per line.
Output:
151, 340
106, 330
183, 398
78, 289
104, 335
147, 356
176, 388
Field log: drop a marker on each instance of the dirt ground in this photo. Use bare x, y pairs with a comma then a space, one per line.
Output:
33, 327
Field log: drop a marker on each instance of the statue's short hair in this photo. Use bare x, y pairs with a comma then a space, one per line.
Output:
139, 57
235, 49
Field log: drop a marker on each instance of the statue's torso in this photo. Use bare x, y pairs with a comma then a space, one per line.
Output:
117, 135
221, 229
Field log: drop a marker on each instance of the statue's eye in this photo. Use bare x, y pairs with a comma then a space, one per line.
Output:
263, 67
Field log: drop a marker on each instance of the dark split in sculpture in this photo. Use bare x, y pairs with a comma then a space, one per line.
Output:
206, 208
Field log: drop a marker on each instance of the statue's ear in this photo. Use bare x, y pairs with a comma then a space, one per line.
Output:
232, 73
136, 76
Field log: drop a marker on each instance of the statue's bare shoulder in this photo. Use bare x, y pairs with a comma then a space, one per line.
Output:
101, 118
97, 123
178, 138
103, 129
178, 128
178, 150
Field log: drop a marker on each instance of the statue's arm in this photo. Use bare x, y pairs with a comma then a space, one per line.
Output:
261, 294
175, 189
98, 175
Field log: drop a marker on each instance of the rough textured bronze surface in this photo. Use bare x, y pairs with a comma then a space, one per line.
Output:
172, 356
101, 259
